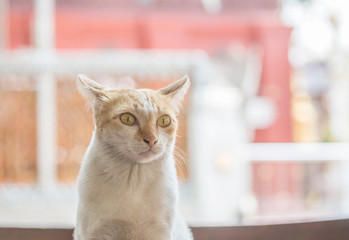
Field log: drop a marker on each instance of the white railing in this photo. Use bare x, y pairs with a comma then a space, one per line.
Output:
205, 141
232, 171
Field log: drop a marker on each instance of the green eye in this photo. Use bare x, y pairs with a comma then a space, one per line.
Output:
127, 119
164, 121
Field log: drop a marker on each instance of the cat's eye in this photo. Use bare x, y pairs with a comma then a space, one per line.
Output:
164, 121
127, 119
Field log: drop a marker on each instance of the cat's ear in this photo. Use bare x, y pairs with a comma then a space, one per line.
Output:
176, 91
93, 92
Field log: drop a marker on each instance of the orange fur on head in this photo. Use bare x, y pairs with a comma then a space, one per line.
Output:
147, 106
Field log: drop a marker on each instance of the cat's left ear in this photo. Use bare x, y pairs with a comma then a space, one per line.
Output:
176, 91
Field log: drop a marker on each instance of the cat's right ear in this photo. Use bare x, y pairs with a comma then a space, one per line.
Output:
93, 92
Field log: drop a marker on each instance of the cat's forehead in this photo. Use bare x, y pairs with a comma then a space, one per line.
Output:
141, 100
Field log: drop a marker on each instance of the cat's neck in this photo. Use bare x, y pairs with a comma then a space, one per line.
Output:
114, 168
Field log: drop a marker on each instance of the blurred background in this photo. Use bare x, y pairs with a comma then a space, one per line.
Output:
263, 133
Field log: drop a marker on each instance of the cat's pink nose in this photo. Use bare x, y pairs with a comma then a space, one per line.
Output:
151, 141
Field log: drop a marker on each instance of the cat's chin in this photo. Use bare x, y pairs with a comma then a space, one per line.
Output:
146, 157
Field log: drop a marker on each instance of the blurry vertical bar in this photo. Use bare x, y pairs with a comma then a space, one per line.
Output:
46, 91
3, 24
44, 25
46, 120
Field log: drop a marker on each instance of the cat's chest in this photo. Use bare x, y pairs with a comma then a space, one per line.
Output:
120, 202
112, 200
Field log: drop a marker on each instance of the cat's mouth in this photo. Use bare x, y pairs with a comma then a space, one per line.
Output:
147, 155
148, 152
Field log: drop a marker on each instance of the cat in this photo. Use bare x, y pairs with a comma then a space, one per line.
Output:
127, 183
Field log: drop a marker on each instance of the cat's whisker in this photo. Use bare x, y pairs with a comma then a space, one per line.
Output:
182, 161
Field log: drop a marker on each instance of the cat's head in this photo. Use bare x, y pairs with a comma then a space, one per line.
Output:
137, 125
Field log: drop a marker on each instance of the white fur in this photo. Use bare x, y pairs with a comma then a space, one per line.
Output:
135, 201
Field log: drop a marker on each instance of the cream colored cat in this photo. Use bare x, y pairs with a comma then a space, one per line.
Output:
127, 183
